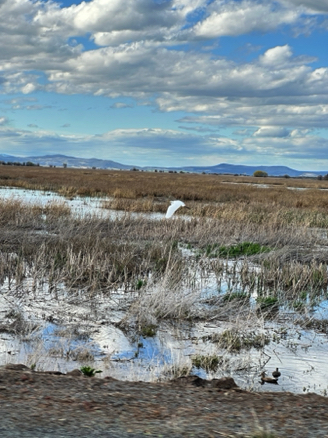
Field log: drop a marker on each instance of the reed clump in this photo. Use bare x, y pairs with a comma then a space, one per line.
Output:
143, 205
235, 340
208, 363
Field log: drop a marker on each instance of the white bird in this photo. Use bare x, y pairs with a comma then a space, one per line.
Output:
173, 208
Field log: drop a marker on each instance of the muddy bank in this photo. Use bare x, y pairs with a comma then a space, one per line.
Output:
41, 404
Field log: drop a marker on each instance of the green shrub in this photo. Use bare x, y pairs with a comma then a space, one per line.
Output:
260, 173
89, 371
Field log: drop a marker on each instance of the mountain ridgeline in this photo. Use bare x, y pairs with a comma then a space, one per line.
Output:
59, 160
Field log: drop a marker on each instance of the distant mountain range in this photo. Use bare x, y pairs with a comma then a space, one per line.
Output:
64, 160
249, 170
59, 160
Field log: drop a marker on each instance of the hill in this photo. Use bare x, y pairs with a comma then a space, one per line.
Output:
60, 160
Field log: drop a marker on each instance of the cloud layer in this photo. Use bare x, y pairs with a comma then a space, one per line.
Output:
165, 53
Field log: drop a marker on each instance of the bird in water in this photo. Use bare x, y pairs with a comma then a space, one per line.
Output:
276, 373
173, 208
266, 379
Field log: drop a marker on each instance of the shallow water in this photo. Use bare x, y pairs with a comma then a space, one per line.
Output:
268, 186
302, 356
81, 207
62, 324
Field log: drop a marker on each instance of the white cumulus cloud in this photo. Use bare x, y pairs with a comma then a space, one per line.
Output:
237, 18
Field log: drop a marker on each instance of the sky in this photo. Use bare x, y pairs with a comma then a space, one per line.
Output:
166, 82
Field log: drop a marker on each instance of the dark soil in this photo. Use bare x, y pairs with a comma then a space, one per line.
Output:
35, 404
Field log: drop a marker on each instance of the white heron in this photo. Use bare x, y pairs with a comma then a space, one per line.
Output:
173, 208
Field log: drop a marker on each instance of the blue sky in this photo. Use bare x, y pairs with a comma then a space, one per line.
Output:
166, 82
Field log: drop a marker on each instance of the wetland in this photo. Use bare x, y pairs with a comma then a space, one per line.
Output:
92, 274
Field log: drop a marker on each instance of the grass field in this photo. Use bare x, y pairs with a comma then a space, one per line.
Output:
286, 200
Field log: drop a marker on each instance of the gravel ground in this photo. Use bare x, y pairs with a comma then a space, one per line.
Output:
34, 404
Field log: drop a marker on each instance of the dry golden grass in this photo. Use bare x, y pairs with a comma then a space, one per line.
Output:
230, 199
163, 186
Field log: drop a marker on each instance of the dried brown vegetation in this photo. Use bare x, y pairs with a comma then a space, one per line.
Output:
187, 187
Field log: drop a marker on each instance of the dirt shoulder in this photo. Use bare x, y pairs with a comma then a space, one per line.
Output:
34, 404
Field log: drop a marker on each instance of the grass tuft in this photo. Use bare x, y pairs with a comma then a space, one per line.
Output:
208, 363
89, 371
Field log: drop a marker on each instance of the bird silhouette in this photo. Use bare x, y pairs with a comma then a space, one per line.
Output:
173, 208
266, 379
276, 373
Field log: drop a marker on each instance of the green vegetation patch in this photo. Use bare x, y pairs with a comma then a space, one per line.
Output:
232, 251
208, 363
140, 284
148, 331
267, 302
89, 371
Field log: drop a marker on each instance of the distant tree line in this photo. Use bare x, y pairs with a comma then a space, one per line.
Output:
17, 163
